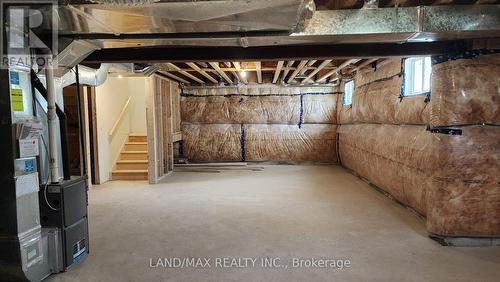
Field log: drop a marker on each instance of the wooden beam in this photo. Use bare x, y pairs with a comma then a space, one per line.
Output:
320, 67
238, 69
176, 68
174, 77
232, 71
308, 66
263, 69
363, 64
277, 71
297, 70
202, 72
259, 72
215, 65
177, 136
287, 69
343, 65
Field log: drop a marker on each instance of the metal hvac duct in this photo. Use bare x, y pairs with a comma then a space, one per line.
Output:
181, 16
368, 25
87, 76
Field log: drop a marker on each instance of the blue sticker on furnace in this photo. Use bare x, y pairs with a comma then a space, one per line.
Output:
29, 165
14, 78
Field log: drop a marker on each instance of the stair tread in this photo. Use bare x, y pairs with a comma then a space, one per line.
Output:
134, 152
130, 170
132, 161
138, 134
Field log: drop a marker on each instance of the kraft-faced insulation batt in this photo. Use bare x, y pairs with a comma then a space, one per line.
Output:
395, 158
259, 142
377, 99
466, 91
465, 195
261, 105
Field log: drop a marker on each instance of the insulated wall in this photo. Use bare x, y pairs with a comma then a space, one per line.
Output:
259, 123
433, 155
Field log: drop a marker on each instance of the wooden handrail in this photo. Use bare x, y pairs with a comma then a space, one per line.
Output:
120, 117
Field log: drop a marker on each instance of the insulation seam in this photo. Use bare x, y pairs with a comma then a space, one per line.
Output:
301, 111
242, 142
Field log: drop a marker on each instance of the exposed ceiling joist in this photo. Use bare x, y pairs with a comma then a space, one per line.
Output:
177, 69
343, 65
232, 71
364, 64
277, 71
215, 65
297, 70
174, 77
259, 72
289, 65
310, 63
315, 71
200, 71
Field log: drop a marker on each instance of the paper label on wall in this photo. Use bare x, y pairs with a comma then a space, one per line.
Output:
29, 130
28, 148
17, 99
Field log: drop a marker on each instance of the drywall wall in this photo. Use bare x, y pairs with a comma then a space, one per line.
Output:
447, 173
259, 123
137, 107
111, 96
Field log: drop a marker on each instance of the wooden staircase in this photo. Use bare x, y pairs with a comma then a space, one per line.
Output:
133, 161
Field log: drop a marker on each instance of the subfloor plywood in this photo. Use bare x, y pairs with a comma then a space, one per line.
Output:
283, 211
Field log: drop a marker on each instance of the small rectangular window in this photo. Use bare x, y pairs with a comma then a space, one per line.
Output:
417, 78
348, 90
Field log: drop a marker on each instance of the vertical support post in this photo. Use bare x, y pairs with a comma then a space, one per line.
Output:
151, 128
52, 125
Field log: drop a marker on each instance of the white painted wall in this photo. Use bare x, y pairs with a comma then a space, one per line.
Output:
137, 87
110, 99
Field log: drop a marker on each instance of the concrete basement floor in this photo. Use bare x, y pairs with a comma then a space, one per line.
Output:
283, 211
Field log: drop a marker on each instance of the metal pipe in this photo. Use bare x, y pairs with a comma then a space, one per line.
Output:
80, 122
63, 126
52, 124
87, 76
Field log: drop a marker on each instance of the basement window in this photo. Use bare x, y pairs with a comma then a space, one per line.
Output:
348, 90
417, 77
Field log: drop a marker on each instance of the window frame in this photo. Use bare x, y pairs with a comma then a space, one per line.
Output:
409, 77
345, 92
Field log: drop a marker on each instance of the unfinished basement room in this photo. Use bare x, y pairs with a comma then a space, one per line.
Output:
250, 140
